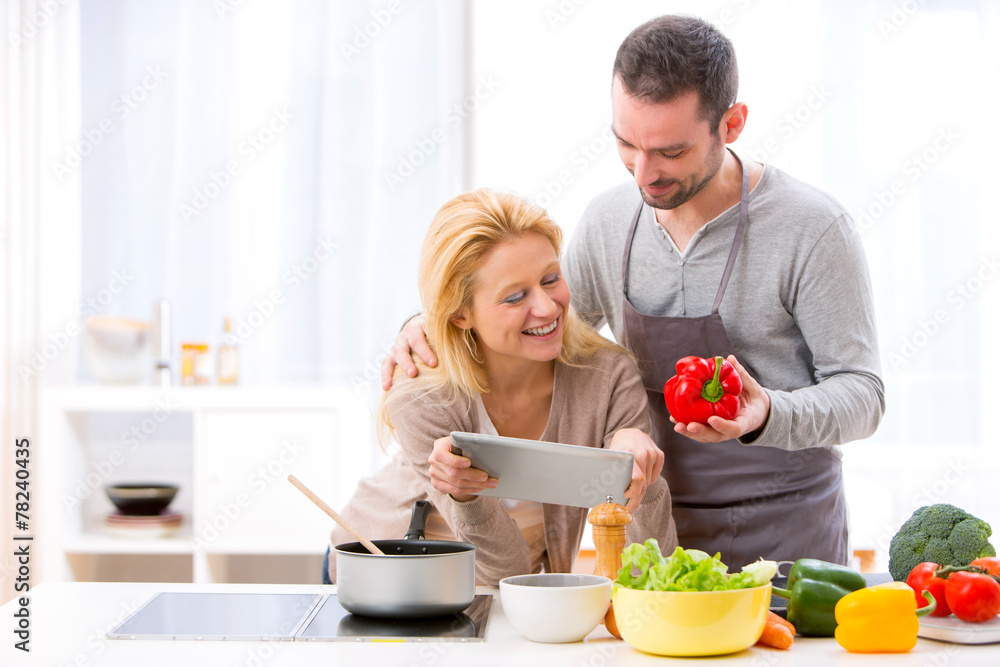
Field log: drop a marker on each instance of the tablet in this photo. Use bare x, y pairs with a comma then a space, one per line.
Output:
547, 472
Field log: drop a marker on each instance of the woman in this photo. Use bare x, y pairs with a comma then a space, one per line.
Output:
514, 360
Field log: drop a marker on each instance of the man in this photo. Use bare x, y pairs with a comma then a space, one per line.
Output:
714, 257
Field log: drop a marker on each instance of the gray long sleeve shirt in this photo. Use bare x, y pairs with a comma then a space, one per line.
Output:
798, 309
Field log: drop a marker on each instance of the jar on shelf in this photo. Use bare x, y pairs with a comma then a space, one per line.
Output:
196, 364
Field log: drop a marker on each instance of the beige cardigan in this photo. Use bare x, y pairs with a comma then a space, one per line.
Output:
589, 404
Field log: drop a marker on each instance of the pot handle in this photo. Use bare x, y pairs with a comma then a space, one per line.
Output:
418, 520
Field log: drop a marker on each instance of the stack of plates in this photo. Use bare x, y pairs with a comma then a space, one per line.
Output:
153, 525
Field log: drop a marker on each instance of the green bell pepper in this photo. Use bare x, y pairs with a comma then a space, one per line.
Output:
814, 588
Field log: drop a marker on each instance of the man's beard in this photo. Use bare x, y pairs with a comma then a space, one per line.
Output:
683, 192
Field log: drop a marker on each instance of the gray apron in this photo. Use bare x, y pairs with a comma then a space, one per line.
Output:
742, 501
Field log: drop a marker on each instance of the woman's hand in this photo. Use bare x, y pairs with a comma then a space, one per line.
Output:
411, 338
648, 462
452, 474
755, 406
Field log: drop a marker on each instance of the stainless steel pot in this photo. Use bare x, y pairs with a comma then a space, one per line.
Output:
416, 578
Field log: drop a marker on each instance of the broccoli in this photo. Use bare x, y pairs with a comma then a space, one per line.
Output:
942, 533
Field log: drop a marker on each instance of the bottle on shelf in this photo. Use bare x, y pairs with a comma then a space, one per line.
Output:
229, 361
188, 353
203, 365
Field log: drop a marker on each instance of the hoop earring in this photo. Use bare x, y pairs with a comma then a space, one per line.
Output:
470, 343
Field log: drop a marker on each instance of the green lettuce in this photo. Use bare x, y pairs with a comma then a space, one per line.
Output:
645, 568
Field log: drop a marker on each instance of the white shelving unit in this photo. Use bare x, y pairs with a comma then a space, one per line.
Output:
230, 449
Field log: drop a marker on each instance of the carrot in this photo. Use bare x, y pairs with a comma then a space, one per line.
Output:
778, 633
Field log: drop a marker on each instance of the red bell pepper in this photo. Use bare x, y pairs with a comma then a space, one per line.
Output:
702, 388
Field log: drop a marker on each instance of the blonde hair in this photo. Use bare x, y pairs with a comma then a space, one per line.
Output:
463, 231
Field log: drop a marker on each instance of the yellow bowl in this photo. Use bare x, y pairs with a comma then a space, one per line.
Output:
691, 624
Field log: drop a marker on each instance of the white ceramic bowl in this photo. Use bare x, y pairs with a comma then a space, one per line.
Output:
118, 351
555, 608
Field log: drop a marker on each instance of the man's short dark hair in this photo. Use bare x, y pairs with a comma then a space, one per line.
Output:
672, 55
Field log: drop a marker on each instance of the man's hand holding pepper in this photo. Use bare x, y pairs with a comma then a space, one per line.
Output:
755, 406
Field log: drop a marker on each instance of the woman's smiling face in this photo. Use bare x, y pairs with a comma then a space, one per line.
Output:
519, 304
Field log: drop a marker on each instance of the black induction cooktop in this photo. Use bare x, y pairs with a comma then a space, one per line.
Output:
331, 622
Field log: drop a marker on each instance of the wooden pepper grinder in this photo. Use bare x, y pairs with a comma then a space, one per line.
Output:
609, 520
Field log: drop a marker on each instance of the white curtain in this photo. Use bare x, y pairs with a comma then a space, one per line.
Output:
39, 236
272, 162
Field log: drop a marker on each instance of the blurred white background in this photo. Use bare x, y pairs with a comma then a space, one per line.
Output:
278, 162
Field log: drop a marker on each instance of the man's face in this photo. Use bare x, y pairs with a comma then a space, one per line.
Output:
670, 150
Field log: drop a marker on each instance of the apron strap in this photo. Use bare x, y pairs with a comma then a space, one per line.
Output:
738, 239
628, 247
741, 227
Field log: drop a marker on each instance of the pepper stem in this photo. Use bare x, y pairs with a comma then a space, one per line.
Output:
931, 605
713, 391
781, 592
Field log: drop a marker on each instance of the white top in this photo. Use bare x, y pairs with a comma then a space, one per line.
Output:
526, 513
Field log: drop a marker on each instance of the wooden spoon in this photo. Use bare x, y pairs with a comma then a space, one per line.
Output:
341, 521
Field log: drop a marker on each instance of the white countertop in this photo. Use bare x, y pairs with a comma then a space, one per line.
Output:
69, 622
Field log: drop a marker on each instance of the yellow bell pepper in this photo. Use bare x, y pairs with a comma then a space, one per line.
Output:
880, 619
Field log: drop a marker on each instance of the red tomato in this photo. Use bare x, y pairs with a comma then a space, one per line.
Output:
990, 565
922, 579
973, 597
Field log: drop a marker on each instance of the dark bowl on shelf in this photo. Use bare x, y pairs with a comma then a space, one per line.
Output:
141, 499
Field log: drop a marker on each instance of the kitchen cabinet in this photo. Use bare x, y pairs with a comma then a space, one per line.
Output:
229, 449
